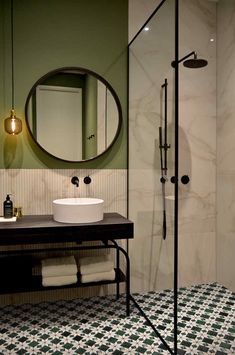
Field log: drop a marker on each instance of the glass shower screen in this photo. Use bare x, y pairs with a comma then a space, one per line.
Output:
151, 164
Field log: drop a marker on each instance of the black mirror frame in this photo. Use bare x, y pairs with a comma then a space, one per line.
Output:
86, 71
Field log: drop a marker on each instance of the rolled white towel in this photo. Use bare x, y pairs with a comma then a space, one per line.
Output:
95, 264
98, 276
61, 266
59, 280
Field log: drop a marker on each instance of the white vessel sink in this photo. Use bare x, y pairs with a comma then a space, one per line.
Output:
78, 210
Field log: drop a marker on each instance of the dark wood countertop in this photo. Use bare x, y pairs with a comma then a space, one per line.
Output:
43, 229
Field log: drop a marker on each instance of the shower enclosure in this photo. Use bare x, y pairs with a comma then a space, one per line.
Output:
181, 171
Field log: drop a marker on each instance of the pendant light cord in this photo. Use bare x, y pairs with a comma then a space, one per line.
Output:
12, 60
12, 124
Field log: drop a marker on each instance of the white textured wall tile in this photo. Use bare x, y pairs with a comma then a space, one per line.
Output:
35, 189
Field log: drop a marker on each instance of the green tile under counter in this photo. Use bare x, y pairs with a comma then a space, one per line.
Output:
38, 229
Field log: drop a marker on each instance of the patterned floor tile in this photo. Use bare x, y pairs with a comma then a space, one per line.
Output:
206, 325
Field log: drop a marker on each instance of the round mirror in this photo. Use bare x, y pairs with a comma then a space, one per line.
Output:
73, 114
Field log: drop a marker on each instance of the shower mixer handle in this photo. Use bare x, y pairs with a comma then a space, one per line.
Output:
163, 180
184, 179
87, 180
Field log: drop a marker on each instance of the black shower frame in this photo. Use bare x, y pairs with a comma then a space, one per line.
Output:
176, 174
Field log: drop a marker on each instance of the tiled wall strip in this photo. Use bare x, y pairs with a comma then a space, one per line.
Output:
35, 189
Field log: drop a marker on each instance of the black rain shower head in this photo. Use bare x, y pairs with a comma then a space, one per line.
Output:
192, 63
195, 63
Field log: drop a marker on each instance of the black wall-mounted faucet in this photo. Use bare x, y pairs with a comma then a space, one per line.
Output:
75, 181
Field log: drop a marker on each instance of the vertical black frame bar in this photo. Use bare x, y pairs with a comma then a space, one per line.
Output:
128, 140
105, 118
176, 204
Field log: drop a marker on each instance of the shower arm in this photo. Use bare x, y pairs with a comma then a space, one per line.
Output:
185, 57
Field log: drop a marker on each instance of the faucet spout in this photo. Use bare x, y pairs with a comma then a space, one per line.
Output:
75, 181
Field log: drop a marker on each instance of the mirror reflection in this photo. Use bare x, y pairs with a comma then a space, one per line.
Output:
73, 114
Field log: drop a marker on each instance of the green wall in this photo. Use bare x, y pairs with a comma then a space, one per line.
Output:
50, 34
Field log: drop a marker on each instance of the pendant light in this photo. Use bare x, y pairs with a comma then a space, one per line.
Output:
12, 124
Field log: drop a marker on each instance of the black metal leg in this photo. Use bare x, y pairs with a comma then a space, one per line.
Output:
127, 276
129, 297
127, 285
151, 325
118, 266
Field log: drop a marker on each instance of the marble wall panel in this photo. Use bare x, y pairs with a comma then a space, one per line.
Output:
197, 253
226, 229
151, 256
197, 145
226, 143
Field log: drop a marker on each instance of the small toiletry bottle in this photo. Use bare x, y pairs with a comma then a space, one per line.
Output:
8, 207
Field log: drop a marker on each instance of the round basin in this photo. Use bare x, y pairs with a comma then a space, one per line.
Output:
78, 210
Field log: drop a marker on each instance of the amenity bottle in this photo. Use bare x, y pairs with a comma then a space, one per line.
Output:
8, 207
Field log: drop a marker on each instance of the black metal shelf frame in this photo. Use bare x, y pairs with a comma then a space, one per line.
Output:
33, 283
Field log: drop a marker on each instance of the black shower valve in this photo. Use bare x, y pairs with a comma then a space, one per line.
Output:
163, 180
185, 179
87, 180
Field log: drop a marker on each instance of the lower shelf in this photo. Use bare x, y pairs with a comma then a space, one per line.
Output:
34, 283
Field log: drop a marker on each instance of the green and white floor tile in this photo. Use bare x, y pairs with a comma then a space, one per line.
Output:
98, 325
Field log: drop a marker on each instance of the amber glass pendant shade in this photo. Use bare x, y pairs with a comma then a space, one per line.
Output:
13, 124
